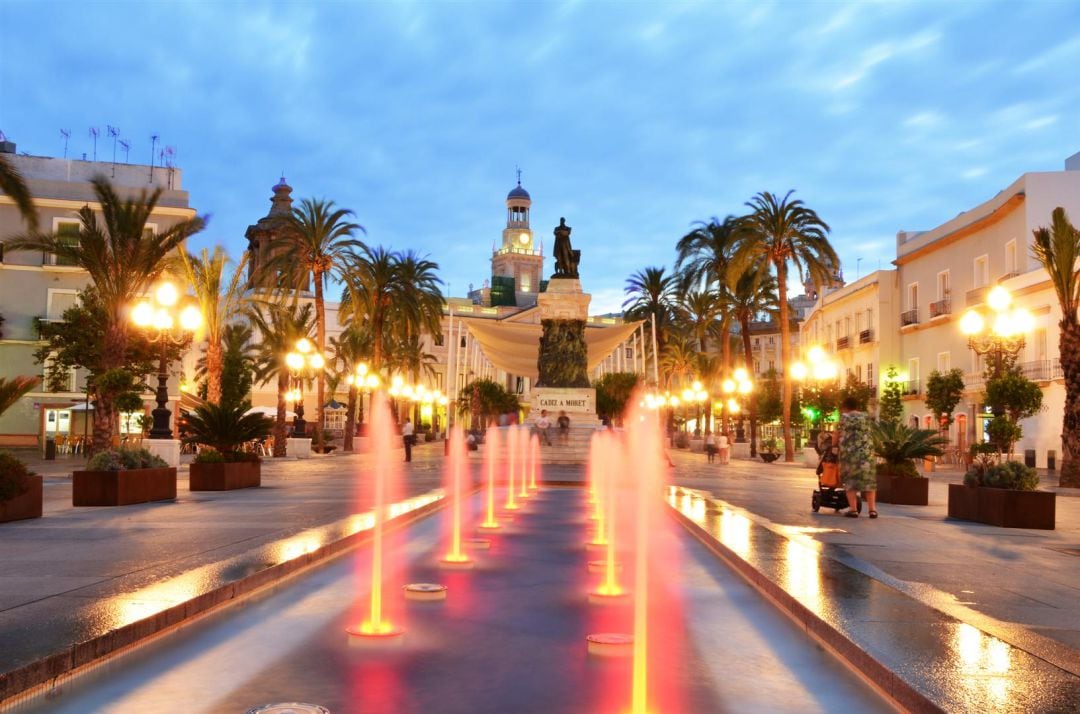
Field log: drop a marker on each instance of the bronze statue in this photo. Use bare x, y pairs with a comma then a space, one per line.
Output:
566, 259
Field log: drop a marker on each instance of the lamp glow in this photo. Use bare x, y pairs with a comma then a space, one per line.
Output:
316, 361
741, 375
143, 314
728, 386
971, 323
166, 295
190, 318
816, 354
303, 345
798, 371
163, 320
294, 360
998, 298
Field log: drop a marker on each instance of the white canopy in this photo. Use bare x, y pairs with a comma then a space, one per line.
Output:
270, 412
513, 346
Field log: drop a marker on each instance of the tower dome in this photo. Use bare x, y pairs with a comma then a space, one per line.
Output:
518, 192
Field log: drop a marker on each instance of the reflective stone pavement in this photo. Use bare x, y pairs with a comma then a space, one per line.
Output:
509, 638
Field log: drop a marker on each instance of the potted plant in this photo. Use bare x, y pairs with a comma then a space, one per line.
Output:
20, 490
222, 429
121, 477
899, 446
768, 451
1001, 493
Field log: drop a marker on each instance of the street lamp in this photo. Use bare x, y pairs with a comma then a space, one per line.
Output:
1001, 332
818, 368
303, 363
735, 388
166, 326
365, 381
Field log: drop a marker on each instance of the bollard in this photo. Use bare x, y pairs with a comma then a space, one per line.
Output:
1051, 460
50, 449
1029, 457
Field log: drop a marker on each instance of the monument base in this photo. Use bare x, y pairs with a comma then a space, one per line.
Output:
579, 403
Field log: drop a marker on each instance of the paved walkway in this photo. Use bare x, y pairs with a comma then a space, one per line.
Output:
78, 573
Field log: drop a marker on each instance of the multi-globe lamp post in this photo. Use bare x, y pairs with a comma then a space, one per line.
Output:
695, 394
999, 333
365, 382
819, 369
735, 389
304, 362
166, 324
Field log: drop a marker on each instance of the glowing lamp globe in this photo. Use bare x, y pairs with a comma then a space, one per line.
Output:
971, 323
798, 371
1003, 325
166, 294
190, 318
998, 298
728, 386
371, 381
1023, 321
143, 314
316, 361
687, 395
745, 387
294, 360
163, 320
303, 345
741, 375
816, 354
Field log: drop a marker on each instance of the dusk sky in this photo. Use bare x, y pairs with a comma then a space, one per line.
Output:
631, 120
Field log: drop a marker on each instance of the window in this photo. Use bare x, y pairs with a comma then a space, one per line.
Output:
334, 419
57, 381
858, 321
982, 271
757, 342
525, 281
629, 353
757, 366
913, 296
847, 327
870, 373
943, 285
1038, 344
913, 369
869, 318
944, 362
772, 341
772, 364
58, 301
1011, 265
858, 372
68, 233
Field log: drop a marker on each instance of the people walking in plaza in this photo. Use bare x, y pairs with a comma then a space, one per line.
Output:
407, 438
723, 447
857, 468
564, 428
710, 446
543, 427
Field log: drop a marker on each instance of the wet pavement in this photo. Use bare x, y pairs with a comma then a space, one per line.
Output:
510, 637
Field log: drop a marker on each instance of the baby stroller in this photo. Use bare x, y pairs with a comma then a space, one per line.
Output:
830, 492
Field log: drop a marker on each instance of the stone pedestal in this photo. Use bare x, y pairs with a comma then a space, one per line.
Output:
298, 448
167, 449
564, 357
564, 300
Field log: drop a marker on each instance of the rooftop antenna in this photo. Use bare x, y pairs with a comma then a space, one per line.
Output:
167, 158
858, 262
115, 134
153, 147
126, 146
66, 133
94, 131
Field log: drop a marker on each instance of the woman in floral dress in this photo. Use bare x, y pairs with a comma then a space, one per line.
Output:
857, 468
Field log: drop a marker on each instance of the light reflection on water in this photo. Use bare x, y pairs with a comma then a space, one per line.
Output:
985, 662
802, 574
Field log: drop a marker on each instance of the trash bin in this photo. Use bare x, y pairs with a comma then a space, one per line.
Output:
1029, 457
1051, 460
50, 449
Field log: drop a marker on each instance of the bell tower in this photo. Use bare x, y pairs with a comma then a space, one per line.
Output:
517, 264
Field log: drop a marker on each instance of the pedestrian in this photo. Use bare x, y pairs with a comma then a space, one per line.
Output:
710, 446
723, 447
564, 428
857, 468
407, 438
543, 427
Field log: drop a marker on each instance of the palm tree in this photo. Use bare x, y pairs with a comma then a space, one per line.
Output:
373, 290
1057, 248
704, 258
123, 260
219, 302
279, 326
12, 183
349, 349
784, 232
14, 389
753, 292
319, 247
650, 296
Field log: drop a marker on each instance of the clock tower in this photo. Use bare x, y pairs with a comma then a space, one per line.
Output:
517, 264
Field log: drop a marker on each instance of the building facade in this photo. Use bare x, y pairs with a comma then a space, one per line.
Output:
36, 288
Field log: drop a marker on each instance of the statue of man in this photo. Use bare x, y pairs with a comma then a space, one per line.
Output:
565, 262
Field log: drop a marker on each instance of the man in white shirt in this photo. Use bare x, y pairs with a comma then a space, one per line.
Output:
543, 427
406, 438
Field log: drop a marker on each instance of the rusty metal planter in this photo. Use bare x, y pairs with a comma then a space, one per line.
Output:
225, 476
123, 488
25, 505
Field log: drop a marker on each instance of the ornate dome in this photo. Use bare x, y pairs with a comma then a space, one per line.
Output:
518, 192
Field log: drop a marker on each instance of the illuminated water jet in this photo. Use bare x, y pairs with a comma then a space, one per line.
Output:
491, 455
534, 461
607, 461
376, 626
511, 467
455, 557
523, 459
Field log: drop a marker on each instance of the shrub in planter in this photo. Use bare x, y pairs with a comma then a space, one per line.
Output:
1011, 475
222, 429
898, 446
20, 490
120, 477
1002, 493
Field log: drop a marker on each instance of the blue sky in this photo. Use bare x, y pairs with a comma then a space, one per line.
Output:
632, 120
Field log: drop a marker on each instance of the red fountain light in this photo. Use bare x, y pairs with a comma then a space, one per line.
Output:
455, 487
491, 456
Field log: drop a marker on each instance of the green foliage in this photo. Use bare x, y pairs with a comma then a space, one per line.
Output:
129, 402
1012, 475
13, 475
856, 389
124, 459
237, 365
899, 445
943, 393
225, 427
1011, 397
770, 405
564, 358
212, 456
1003, 433
613, 392
891, 404
485, 399
820, 400
905, 470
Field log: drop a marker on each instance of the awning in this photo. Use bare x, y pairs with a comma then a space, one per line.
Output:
514, 347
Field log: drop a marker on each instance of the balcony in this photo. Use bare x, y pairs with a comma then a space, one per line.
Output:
52, 259
973, 381
1008, 276
1042, 370
941, 307
977, 296
911, 317
842, 343
910, 388
866, 336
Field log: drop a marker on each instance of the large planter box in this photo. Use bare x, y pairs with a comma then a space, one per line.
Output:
225, 477
1003, 507
27, 505
903, 490
123, 488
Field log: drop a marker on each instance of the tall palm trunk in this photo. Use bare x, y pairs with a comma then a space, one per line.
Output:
744, 324
279, 421
214, 359
725, 366
350, 420
1070, 428
113, 353
785, 357
320, 336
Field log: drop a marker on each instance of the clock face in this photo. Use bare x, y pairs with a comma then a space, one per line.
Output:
523, 238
